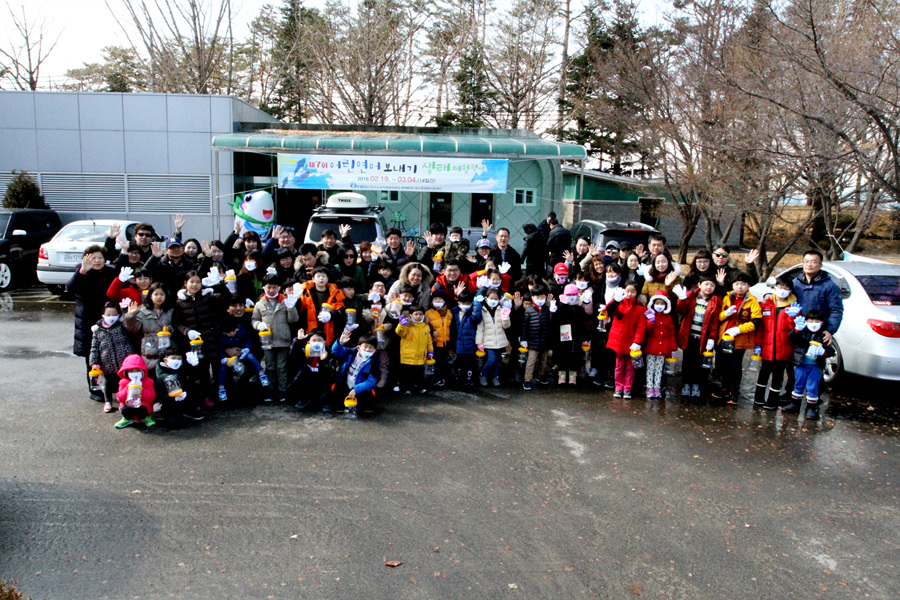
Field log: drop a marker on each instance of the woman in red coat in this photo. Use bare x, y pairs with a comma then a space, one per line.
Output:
625, 334
659, 341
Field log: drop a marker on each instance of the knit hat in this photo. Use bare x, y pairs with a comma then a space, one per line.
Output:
560, 269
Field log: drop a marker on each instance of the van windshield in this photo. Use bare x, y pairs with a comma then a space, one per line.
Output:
362, 229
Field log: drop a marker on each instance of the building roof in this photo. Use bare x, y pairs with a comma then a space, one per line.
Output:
601, 176
398, 140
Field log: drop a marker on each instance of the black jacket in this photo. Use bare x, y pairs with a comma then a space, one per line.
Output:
536, 327
535, 254
559, 241
512, 257
90, 296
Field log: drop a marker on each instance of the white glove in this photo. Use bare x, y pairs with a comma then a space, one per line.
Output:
643, 270
524, 344
482, 281
125, 274
799, 323
157, 406
710, 344
180, 396
374, 297
587, 296
271, 271
634, 347
229, 273
680, 291
249, 303
619, 295
261, 326
208, 282
601, 308
193, 334
191, 358
553, 306
479, 298
504, 268
291, 301
730, 310
733, 331
324, 316
351, 327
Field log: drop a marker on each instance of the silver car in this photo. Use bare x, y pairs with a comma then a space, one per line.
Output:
868, 340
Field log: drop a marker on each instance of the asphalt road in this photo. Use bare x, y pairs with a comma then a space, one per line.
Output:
548, 494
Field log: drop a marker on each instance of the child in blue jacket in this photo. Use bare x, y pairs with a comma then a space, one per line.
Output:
466, 317
355, 377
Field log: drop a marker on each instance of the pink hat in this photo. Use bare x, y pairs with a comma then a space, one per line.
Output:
571, 290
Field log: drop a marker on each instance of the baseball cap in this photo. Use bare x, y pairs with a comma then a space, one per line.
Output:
482, 243
173, 241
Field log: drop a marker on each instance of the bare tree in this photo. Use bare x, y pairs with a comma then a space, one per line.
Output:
21, 60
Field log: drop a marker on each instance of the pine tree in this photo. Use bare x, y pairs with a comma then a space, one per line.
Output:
23, 192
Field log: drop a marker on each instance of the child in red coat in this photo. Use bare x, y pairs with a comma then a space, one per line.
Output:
700, 309
136, 393
659, 341
773, 338
626, 334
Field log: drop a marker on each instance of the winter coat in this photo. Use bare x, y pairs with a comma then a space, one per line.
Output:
249, 286
490, 331
118, 291
423, 290
652, 286
576, 318
710, 327
774, 334
534, 253
559, 241
659, 338
473, 286
278, 319
536, 327
241, 339
109, 347
441, 326
510, 256
365, 378
441, 284
355, 273
746, 319
148, 389
465, 328
308, 306
821, 294
628, 325
89, 290
169, 273
801, 340
145, 324
415, 342
200, 314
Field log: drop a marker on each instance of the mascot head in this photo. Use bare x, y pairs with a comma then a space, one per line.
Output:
254, 211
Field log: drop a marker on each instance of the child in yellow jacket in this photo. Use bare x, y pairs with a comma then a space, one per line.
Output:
441, 319
415, 348
738, 321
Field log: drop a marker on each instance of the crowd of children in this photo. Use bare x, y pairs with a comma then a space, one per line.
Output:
169, 335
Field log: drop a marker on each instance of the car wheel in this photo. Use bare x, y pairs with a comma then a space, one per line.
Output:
5, 276
834, 366
57, 290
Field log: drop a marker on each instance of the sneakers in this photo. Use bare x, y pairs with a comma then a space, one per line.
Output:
599, 383
573, 377
561, 380
267, 398
149, 422
396, 388
593, 374
223, 395
626, 395
617, 394
695, 391
527, 386
263, 380
686, 390
193, 416
482, 379
440, 383
545, 380
731, 399
654, 393
123, 423
495, 382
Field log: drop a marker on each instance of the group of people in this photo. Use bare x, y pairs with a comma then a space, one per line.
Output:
169, 329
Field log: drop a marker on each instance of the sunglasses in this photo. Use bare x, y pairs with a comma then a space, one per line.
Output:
143, 234
720, 255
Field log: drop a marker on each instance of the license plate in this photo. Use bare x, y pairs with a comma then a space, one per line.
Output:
72, 257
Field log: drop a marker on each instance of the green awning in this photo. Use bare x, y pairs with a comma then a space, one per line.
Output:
387, 144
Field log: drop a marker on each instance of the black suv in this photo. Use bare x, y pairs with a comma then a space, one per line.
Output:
22, 231
600, 234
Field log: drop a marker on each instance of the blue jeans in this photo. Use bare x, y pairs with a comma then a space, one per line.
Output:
491, 368
223, 369
807, 377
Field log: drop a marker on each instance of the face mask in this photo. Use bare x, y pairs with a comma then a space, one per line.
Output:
565, 299
454, 238
659, 307
366, 355
493, 285
135, 376
539, 301
613, 281
782, 293
493, 303
561, 279
110, 320
814, 327
438, 303
250, 265
465, 307
174, 363
418, 319
582, 285
405, 303
272, 297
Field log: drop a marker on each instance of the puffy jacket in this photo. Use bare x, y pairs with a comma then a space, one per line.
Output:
415, 342
117, 291
441, 284
148, 391
465, 326
774, 333
198, 313
278, 318
440, 325
423, 290
89, 290
169, 273
145, 324
536, 327
746, 319
710, 328
472, 285
335, 300
652, 286
490, 331
109, 347
821, 294
628, 325
365, 379
559, 240
659, 337
801, 340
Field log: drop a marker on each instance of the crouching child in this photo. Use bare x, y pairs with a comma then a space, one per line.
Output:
136, 393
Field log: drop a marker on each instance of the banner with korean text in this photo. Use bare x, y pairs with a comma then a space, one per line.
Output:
411, 174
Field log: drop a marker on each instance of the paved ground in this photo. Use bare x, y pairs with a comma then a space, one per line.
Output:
552, 494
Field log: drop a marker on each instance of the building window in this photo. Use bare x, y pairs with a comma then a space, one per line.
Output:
523, 197
390, 196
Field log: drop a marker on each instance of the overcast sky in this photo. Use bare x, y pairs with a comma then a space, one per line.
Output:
84, 27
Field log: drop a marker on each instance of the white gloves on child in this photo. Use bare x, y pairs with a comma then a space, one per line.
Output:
193, 334
710, 344
261, 326
619, 295
680, 291
799, 323
125, 274
191, 358
635, 347
504, 268
324, 316
730, 310
733, 331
